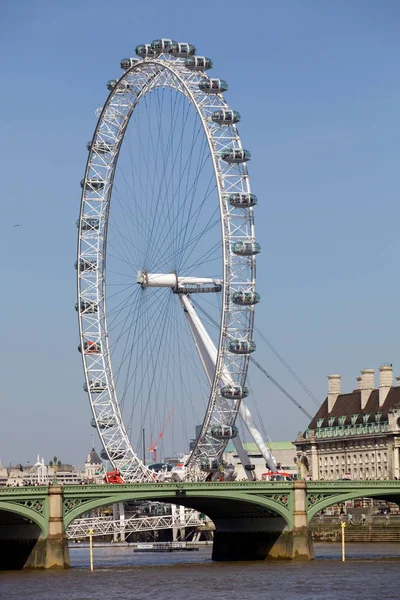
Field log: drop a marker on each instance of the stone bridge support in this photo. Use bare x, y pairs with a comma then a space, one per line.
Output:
51, 551
262, 537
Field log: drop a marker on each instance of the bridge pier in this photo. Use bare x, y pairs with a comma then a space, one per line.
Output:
52, 551
257, 538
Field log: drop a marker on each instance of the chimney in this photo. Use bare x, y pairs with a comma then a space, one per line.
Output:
367, 385
385, 383
359, 379
398, 380
334, 389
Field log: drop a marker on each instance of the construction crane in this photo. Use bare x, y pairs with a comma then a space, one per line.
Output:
154, 445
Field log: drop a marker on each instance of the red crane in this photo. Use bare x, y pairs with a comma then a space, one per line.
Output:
154, 445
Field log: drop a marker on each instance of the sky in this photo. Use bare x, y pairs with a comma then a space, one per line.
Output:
318, 90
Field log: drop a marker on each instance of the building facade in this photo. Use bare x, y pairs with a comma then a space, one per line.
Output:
284, 454
354, 435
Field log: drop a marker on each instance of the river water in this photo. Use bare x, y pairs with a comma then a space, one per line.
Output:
371, 572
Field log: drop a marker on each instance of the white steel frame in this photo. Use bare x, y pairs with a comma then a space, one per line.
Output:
238, 271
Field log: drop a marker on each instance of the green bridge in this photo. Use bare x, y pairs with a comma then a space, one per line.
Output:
253, 520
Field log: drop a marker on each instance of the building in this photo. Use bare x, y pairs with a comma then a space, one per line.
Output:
354, 435
93, 468
283, 452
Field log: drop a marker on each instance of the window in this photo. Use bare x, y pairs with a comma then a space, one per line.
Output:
342, 420
319, 422
331, 421
366, 417
354, 419
378, 416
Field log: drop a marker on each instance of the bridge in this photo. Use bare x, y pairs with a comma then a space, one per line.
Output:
253, 520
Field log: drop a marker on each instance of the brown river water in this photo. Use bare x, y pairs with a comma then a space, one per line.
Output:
371, 572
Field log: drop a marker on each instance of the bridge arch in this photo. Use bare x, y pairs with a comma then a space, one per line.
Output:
24, 511
318, 502
216, 506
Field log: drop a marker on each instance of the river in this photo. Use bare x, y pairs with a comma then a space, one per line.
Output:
371, 572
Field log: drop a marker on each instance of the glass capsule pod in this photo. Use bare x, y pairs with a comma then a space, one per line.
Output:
90, 347
245, 298
239, 200
128, 63
224, 432
181, 49
225, 116
198, 63
115, 454
249, 467
145, 50
235, 155
241, 346
95, 386
236, 392
159, 46
104, 423
99, 147
89, 224
122, 88
87, 307
92, 185
209, 464
86, 265
213, 86
246, 248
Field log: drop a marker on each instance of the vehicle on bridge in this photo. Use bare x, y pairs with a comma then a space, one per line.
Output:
276, 476
113, 476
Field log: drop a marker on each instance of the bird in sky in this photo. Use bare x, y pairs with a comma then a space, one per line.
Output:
17, 225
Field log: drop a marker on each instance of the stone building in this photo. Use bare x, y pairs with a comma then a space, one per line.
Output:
354, 435
93, 467
283, 452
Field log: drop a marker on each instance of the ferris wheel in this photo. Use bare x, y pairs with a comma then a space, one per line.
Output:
166, 263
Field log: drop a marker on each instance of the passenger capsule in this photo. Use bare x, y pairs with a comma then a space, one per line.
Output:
160, 46
95, 386
122, 87
245, 298
225, 116
99, 147
89, 224
86, 264
198, 63
241, 346
249, 467
246, 248
239, 200
145, 50
235, 155
87, 307
92, 185
213, 86
128, 63
90, 347
104, 423
224, 432
181, 49
111, 454
209, 464
235, 392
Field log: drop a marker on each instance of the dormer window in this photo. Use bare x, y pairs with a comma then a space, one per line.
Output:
378, 416
331, 421
342, 420
319, 422
365, 418
354, 419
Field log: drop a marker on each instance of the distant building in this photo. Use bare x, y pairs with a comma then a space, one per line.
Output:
354, 435
94, 467
283, 452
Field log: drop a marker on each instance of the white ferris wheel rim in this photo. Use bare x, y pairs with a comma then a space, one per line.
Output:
236, 322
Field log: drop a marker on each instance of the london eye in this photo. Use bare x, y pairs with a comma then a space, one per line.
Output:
167, 246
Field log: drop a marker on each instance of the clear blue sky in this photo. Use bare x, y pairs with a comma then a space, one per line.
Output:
317, 84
